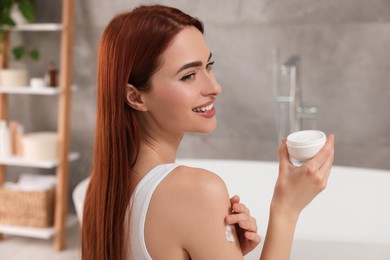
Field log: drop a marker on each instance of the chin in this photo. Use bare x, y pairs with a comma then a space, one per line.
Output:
206, 129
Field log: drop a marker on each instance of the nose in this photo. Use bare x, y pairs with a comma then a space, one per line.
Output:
211, 86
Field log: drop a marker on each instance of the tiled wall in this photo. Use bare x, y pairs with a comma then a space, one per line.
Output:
344, 46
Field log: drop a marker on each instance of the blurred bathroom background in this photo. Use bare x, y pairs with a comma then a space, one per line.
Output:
345, 66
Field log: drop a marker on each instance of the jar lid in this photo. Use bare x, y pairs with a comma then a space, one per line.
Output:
306, 138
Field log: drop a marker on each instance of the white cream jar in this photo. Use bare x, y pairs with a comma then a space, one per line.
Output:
304, 145
40, 146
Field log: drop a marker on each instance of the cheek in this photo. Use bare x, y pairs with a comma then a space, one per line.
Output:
177, 97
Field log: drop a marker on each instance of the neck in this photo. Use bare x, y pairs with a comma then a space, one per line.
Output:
155, 150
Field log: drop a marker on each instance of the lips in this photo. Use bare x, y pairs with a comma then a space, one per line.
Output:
206, 107
203, 109
207, 110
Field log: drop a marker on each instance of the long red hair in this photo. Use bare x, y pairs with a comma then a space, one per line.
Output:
129, 52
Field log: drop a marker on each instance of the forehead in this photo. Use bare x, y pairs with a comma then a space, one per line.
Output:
187, 46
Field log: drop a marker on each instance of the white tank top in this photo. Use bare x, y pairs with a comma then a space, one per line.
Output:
139, 204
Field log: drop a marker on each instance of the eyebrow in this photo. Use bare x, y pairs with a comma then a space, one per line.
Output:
192, 64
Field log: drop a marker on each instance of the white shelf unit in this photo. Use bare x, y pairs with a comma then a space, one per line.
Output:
18, 161
36, 27
33, 91
42, 233
64, 92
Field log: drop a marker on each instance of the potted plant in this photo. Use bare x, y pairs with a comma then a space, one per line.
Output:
18, 76
13, 12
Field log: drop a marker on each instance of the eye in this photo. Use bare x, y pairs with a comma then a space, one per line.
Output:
210, 65
188, 77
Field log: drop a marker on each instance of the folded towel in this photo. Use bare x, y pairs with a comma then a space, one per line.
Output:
32, 182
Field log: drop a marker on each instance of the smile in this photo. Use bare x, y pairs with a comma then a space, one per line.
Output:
203, 109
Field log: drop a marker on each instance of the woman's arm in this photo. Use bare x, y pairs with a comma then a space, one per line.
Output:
205, 235
295, 188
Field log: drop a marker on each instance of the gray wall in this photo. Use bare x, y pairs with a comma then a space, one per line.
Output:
345, 64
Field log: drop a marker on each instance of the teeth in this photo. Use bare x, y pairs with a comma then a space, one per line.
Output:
203, 109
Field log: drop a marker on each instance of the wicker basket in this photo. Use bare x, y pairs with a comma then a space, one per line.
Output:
27, 208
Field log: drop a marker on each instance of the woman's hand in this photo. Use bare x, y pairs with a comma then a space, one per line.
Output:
296, 187
245, 225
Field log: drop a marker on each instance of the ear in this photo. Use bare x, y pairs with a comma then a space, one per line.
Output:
134, 98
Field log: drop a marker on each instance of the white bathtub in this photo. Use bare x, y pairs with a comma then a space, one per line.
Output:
349, 220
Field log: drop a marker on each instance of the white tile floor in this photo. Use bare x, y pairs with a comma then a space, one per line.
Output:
23, 248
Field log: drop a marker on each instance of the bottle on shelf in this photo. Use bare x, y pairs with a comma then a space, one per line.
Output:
51, 75
16, 136
5, 143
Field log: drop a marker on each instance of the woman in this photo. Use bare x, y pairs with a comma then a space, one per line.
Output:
155, 83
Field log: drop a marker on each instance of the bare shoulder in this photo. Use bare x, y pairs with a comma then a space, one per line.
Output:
201, 181
186, 217
188, 189
198, 202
